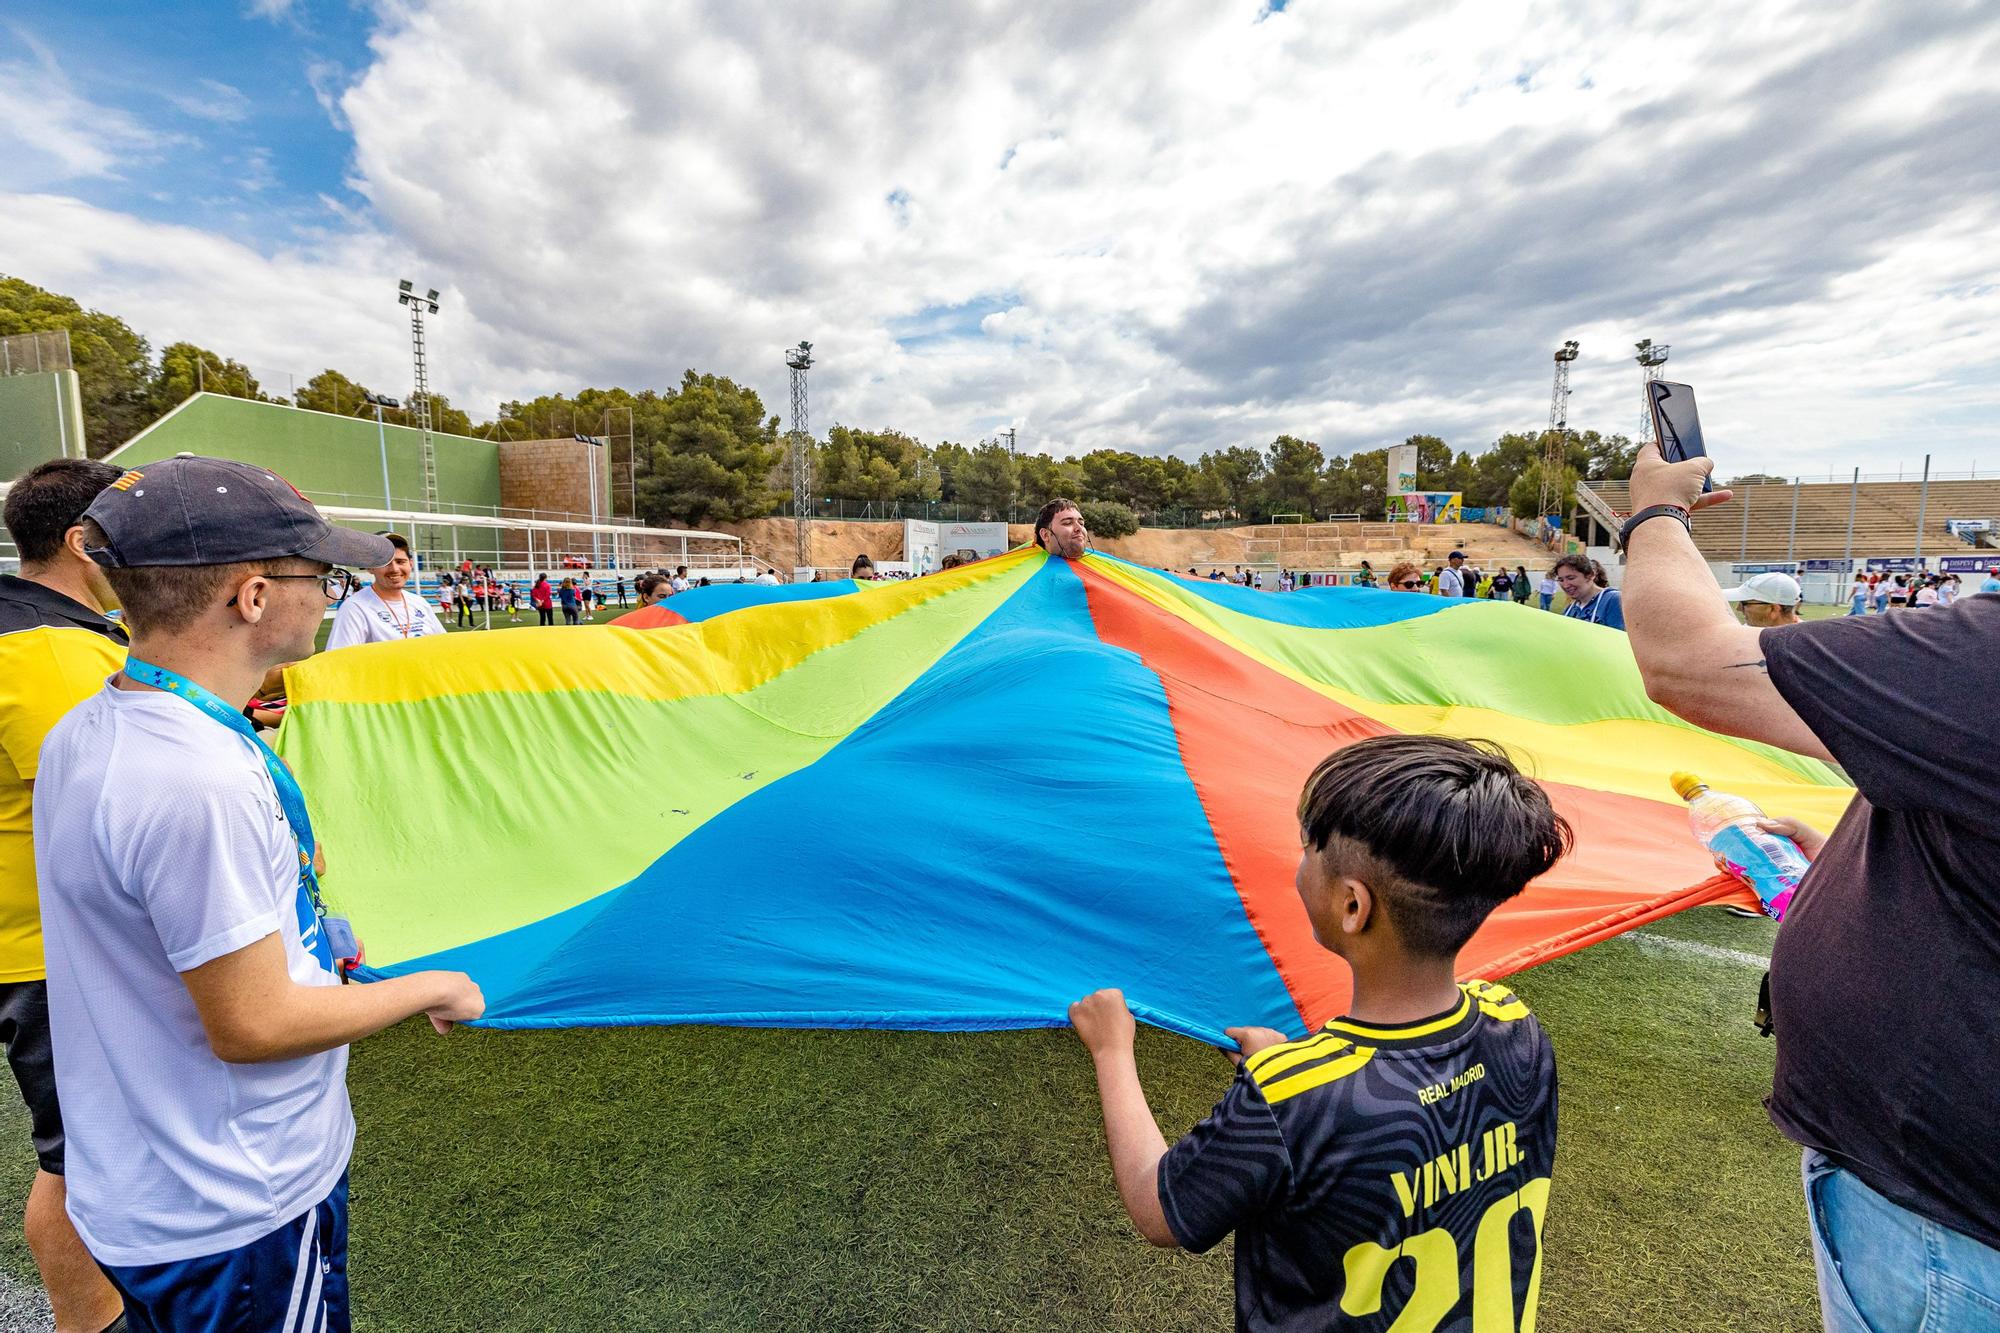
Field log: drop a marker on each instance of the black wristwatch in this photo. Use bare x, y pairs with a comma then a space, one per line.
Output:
1651, 511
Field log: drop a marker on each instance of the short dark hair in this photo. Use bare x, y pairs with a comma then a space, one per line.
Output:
165, 599
1047, 515
46, 503
400, 542
1582, 564
1442, 830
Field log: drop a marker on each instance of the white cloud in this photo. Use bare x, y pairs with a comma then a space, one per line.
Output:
1175, 227
50, 133
325, 78
211, 99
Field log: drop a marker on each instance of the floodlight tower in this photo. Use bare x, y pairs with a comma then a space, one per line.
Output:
1555, 445
799, 360
420, 396
1010, 434
1650, 359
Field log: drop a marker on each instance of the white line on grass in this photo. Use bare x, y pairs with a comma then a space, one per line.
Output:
23, 1307
1667, 944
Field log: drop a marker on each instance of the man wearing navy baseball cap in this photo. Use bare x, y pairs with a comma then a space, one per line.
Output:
1452, 581
195, 975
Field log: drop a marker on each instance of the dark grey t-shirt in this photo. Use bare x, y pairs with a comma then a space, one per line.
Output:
1885, 982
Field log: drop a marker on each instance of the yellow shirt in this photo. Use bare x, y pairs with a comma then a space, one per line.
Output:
54, 653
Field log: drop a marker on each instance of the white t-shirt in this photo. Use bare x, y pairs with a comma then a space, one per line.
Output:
766, 578
1451, 583
160, 846
365, 618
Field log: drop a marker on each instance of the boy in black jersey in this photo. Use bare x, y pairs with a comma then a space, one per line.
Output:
1392, 1168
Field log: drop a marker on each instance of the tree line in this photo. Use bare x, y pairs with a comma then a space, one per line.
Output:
707, 451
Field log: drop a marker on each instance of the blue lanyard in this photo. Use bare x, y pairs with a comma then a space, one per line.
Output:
292, 800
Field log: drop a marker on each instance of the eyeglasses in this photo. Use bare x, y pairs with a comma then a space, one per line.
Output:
334, 585
1410, 583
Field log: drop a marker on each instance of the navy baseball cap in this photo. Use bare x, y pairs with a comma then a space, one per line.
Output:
189, 510
1456, 555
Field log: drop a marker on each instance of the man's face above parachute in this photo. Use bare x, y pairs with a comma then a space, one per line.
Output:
1065, 535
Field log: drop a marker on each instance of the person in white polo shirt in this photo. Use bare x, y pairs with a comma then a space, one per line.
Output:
194, 977
384, 612
1767, 600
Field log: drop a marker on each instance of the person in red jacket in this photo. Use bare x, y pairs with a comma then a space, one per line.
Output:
542, 600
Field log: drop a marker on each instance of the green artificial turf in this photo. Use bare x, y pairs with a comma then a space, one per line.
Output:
719, 1179
726, 1179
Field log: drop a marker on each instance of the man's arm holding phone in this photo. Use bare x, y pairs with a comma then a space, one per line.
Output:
1697, 661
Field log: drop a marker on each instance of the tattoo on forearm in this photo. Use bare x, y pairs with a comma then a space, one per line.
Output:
1758, 664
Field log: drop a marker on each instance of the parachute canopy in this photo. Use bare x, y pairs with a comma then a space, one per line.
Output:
962, 801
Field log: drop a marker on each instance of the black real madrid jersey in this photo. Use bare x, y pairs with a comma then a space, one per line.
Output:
1378, 1176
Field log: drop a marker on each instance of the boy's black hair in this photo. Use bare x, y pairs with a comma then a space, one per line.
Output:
1442, 830
46, 503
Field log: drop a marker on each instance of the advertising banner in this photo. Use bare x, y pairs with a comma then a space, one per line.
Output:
1829, 566
1968, 564
981, 539
1742, 569
927, 543
920, 545
1894, 564
1426, 507
1402, 469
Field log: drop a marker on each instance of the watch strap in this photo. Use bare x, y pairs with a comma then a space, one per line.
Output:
1651, 511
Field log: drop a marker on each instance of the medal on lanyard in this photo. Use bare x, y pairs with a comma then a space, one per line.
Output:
328, 938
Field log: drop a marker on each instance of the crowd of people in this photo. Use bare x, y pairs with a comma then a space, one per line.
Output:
174, 1007
1874, 592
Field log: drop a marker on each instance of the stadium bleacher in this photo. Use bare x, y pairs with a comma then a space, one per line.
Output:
1757, 524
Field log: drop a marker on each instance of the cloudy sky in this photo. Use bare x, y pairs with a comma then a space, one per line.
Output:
1170, 226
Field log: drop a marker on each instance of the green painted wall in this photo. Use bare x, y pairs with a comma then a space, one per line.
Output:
334, 460
40, 418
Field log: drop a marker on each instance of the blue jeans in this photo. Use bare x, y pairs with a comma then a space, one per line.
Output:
1859, 607
1885, 1269
1547, 597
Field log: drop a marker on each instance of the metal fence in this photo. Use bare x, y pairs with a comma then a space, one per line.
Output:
937, 511
35, 353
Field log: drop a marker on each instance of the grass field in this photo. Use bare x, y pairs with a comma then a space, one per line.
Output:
703, 1178
724, 1179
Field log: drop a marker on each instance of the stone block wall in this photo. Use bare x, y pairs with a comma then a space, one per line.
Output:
552, 476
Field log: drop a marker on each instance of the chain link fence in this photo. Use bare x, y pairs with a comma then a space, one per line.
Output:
35, 353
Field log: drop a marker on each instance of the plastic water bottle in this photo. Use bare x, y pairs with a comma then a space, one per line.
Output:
1770, 863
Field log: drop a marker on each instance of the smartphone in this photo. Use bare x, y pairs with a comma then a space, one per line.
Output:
1677, 425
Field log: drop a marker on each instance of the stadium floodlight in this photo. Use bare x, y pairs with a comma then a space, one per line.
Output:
420, 392
407, 295
379, 401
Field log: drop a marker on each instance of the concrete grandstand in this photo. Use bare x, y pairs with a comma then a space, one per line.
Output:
1819, 520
